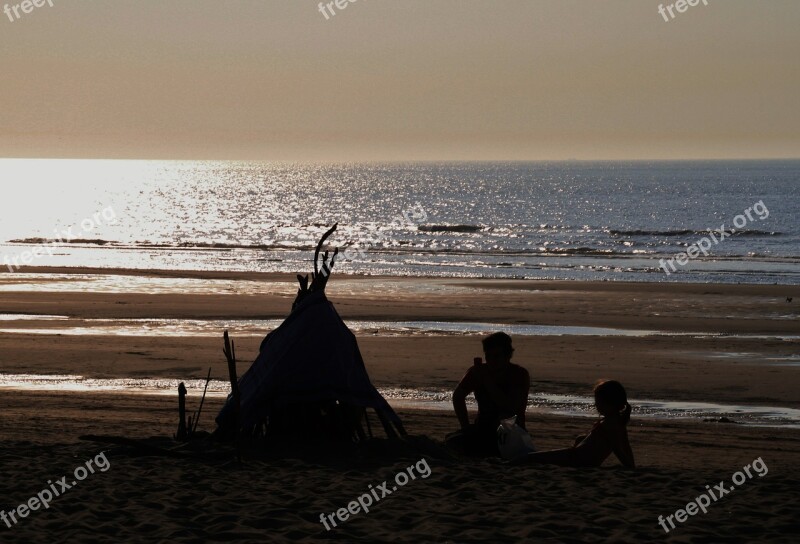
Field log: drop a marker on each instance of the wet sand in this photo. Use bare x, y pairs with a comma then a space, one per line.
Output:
152, 499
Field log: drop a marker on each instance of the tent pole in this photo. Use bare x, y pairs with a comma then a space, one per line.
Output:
369, 427
387, 425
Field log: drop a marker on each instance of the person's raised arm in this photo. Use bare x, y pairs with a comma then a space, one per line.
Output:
622, 448
521, 398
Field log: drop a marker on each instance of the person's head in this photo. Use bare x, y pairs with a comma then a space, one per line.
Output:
497, 348
610, 397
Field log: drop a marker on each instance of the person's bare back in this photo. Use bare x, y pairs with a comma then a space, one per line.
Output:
501, 390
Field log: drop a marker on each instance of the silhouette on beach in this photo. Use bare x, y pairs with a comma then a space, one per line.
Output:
608, 435
309, 381
501, 390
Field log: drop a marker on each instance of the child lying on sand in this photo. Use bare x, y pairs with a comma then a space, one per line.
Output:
610, 434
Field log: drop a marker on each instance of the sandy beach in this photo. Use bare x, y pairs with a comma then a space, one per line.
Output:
725, 344
288, 272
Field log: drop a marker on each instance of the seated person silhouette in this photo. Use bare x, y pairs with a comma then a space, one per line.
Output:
501, 390
608, 435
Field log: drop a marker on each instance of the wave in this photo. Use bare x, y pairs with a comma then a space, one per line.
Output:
43, 241
757, 233
581, 251
406, 247
687, 232
450, 228
224, 245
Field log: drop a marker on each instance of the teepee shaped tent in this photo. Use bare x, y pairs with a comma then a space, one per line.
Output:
309, 375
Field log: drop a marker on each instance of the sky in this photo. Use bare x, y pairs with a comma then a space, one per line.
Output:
400, 80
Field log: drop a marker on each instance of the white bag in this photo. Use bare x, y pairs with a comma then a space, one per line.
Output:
512, 440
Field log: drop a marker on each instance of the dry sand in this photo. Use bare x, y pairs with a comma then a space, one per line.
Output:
269, 500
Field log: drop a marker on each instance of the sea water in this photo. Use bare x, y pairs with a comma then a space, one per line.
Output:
554, 220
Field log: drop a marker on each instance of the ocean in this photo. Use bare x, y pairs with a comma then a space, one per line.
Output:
544, 220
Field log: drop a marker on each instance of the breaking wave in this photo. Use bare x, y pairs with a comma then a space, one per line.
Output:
450, 228
688, 232
42, 241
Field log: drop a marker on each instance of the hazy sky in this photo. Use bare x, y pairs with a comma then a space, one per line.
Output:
400, 79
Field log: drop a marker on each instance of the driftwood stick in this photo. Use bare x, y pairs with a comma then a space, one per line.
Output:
181, 412
230, 354
319, 248
202, 400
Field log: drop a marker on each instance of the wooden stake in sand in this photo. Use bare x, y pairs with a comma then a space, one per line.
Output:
230, 354
202, 400
181, 412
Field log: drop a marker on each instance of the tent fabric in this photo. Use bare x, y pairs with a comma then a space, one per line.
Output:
312, 356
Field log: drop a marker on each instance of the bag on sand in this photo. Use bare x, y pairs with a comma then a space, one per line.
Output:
512, 440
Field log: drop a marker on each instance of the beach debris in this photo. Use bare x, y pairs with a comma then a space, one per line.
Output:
319, 278
193, 427
182, 434
229, 350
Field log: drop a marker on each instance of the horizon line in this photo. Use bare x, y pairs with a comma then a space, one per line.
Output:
410, 160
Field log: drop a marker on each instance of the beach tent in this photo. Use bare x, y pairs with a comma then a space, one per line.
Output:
309, 377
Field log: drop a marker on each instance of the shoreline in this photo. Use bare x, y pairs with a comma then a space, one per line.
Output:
245, 275
670, 307
737, 359
550, 267
434, 401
